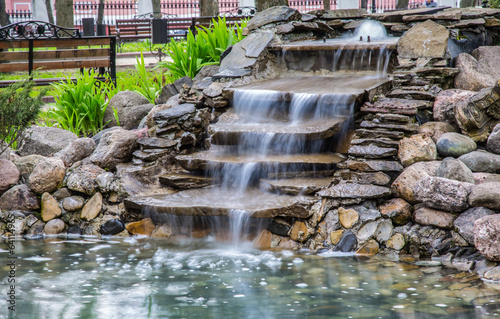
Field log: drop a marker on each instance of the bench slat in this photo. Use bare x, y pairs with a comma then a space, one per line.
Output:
57, 54
54, 65
43, 43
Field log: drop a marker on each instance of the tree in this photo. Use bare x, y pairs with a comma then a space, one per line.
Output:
262, 5
100, 12
402, 4
326, 4
209, 8
4, 17
156, 8
64, 13
50, 12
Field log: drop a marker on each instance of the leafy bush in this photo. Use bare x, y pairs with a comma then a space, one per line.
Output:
80, 104
147, 85
203, 49
19, 108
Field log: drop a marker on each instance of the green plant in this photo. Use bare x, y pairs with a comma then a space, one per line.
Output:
19, 108
80, 104
147, 86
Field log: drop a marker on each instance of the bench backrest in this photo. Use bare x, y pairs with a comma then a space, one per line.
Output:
133, 26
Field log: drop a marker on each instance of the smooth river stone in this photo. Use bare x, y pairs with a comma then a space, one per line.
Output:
455, 144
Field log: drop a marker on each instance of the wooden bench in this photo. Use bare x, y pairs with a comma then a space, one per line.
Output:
132, 29
71, 50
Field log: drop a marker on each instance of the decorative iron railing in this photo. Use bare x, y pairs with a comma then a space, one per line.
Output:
36, 30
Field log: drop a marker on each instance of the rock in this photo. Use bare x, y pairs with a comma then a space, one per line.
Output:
50, 207
131, 117
272, 15
278, 229
112, 227
396, 242
76, 151
487, 236
455, 144
170, 90
255, 43
299, 231
480, 161
367, 230
347, 243
171, 115
355, 190
455, 169
441, 193
73, 203
9, 175
432, 217
19, 197
371, 151
114, 147
435, 129
26, 164
54, 227
416, 148
397, 209
104, 181
493, 274
481, 178
47, 176
370, 248
120, 102
75, 231
143, 227
162, 231
444, 105
263, 240
335, 236
464, 224
45, 141
404, 183
424, 40
479, 69
185, 180
376, 178
384, 231
486, 195
245, 53
371, 166
92, 208
348, 217
83, 178
493, 142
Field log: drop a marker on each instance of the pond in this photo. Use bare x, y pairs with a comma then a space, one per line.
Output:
145, 278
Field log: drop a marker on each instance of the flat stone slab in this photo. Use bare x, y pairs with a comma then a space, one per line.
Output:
397, 16
185, 180
295, 186
338, 44
231, 133
355, 190
395, 106
216, 160
216, 202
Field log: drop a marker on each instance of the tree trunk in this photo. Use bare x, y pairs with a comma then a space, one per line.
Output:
326, 4
4, 17
467, 3
50, 12
156, 8
100, 12
262, 5
402, 4
64, 13
209, 8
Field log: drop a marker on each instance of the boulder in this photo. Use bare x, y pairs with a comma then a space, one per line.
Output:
50, 207
396, 242
464, 224
348, 217
143, 227
121, 101
416, 148
73, 203
444, 105
435, 129
487, 236
114, 147
47, 175
175, 88
19, 197
9, 175
455, 144
170, 103
26, 164
272, 15
486, 195
45, 141
493, 142
455, 169
112, 227
441, 193
404, 183
347, 243
131, 117
432, 217
481, 161
424, 40
54, 227
397, 209
76, 151
479, 69
83, 178
92, 208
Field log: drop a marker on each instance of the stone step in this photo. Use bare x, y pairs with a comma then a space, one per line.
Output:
295, 186
215, 160
375, 178
185, 180
257, 133
395, 106
409, 127
155, 143
372, 151
378, 133
414, 94
372, 166
355, 191
216, 202
149, 155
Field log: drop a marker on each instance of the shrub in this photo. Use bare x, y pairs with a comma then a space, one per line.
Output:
19, 108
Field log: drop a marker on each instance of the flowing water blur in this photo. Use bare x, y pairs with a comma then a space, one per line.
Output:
143, 278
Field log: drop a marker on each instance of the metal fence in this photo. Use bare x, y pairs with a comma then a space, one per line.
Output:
19, 16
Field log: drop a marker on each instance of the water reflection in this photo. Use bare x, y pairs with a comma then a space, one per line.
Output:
143, 278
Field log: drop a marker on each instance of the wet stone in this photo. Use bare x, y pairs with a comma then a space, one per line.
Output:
486, 195
112, 227
155, 143
480, 161
454, 169
464, 224
433, 217
372, 151
367, 230
73, 203
295, 186
355, 190
143, 227
371, 133
416, 148
336, 235
372, 166
376, 178
54, 227
411, 127
380, 142
404, 183
396, 242
185, 180
455, 144
395, 106
92, 208
50, 207
348, 217
150, 155
299, 231
442, 193
347, 243
370, 248
278, 229
397, 209
75, 231
486, 236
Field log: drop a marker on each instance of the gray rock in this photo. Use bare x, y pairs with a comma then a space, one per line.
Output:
82, 178
347, 243
92, 208
121, 101
371, 151
6, 151
104, 181
115, 147
481, 161
175, 88
493, 142
76, 151
45, 141
444, 105
479, 69
435, 129
432, 217
171, 102
486, 195
19, 197
170, 115
404, 183
441, 193
355, 190
424, 40
131, 117
481, 178
73, 203
255, 44
416, 148
487, 236
464, 224
9, 175
455, 169
384, 231
236, 60
272, 15
98, 136
61, 193
47, 175
54, 227
367, 231
455, 144
26, 164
